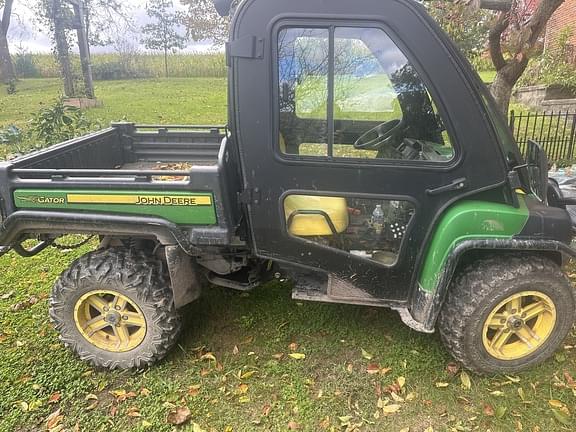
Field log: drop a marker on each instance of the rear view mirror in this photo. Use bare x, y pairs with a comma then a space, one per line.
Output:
537, 166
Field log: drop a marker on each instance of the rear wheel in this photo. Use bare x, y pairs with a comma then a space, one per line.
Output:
114, 308
505, 314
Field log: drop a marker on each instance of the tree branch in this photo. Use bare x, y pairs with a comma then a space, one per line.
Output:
495, 40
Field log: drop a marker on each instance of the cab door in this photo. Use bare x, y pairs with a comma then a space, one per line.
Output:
354, 133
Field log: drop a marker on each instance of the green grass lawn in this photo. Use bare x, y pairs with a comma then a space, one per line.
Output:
253, 384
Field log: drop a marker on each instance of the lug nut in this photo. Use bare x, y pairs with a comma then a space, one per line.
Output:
117, 308
106, 309
125, 317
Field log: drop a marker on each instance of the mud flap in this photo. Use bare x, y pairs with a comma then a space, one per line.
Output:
183, 275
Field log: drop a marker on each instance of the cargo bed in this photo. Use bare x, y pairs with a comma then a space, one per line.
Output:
129, 165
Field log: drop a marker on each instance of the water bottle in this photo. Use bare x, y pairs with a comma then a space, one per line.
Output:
378, 219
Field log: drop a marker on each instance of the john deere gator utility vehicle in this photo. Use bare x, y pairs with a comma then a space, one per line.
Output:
363, 158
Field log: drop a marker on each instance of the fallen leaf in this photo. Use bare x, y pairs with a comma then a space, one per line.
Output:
247, 375
196, 428
556, 403
54, 419
521, 393
194, 390
401, 381
293, 347
488, 410
501, 411
266, 410
133, 412
243, 388
373, 368
366, 354
179, 416
345, 420
391, 409
208, 356
244, 399
441, 384
54, 398
514, 379
452, 368
465, 381
297, 356
91, 396
292, 425
144, 392
278, 356
324, 424
235, 350
497, 393
146, 424
350, 367
7, 295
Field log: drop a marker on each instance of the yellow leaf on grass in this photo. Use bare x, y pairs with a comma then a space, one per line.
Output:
556, 403
465, 380
208, 356
247, 375
366, 354
391, 409
442, 384
297, 356
401, 381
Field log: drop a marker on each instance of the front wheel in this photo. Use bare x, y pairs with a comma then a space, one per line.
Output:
505, 314
114, 308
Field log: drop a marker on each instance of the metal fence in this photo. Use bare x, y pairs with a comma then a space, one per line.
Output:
555, 131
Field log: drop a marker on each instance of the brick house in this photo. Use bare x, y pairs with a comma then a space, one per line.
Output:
563, 18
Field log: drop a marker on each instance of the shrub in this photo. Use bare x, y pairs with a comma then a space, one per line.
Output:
553, 66
59, 123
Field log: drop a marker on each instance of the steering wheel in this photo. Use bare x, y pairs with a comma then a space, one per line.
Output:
379, 136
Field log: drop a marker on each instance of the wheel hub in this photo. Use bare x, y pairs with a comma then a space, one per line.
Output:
519, 325
113, 318
110, 321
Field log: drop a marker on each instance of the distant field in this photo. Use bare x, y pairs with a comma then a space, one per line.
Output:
128, 65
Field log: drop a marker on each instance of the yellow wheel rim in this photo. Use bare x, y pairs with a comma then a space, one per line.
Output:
110, 321
519, 325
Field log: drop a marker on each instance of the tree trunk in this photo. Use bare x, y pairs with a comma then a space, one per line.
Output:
84, 50
63, 49
501, 90
6, 67
166, 62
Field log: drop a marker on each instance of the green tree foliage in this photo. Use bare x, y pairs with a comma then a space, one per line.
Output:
162, 33
466, 26
203, 22
554, 66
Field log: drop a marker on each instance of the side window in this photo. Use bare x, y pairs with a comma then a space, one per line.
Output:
350, 93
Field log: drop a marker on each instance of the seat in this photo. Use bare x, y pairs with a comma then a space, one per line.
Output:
310, 224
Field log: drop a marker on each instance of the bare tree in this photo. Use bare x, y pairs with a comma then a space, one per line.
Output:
6, 66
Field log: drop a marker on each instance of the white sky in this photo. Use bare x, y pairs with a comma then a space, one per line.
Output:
25, 34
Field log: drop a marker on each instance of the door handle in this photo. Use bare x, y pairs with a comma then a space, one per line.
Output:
456, 185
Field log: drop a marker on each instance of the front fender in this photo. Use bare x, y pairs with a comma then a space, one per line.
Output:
426, 305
